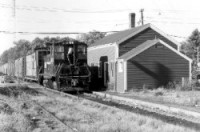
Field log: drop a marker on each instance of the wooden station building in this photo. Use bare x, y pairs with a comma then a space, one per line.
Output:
137, 57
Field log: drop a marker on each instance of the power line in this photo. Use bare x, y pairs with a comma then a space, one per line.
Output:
173, 22
63, 33
177, 36
53, 33
33, 8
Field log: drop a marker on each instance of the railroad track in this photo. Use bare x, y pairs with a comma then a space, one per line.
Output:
154, 113
47, 112
55, 117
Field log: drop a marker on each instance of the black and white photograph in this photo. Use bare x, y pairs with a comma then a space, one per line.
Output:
99, 66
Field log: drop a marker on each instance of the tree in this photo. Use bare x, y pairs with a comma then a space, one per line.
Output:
191, 45
37, 42
91, 37
23, 47
20, 49
4, 57
187, 49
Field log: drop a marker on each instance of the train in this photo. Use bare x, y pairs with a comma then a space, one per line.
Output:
58, 65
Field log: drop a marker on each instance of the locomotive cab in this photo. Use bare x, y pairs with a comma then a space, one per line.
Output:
65, 67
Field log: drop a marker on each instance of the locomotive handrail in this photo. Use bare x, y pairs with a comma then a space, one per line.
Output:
59, 68
40, 70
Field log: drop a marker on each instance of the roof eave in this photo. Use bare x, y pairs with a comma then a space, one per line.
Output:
134, 33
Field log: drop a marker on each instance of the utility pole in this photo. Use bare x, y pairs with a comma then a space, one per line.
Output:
197, 54
14, 19
14, 6
142, 16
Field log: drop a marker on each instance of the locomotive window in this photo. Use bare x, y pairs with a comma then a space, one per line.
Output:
81, 49
59, 49
59, 56
59, 52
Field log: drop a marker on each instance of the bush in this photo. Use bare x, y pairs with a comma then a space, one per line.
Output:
17, 91
186, 85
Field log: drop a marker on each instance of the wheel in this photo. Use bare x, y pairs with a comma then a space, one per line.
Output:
45, 83
50, 83
40, 80
56, 86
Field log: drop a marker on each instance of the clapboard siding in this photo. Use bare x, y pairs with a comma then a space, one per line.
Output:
155, 67
94, 55
140, 38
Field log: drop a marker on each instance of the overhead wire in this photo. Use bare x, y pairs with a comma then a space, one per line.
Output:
46, 33
34, 8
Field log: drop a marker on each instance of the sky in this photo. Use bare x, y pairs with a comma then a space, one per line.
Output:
177, 18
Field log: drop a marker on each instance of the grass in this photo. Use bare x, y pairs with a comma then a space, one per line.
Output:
18, 114
175, 94
87, 116
14, 91
11, 119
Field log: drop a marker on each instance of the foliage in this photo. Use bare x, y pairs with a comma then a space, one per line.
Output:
91, 37
189, 47
23, 47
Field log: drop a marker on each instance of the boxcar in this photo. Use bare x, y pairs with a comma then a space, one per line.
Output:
5, 68
20, 68
11, 68
33, 64
31, 67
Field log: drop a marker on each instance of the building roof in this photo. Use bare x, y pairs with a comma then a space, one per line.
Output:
144, 46
113, 38
122, 36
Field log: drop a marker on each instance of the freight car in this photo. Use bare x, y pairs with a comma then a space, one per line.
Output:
11, 68
19, 68
33, 63
4, 69
58, 65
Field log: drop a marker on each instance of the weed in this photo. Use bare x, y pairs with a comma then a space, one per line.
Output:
171, 85
51, 124
187, 85
17, 91
141, 122
15, 122
103, 108
154, 125
6, 109
159, 93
